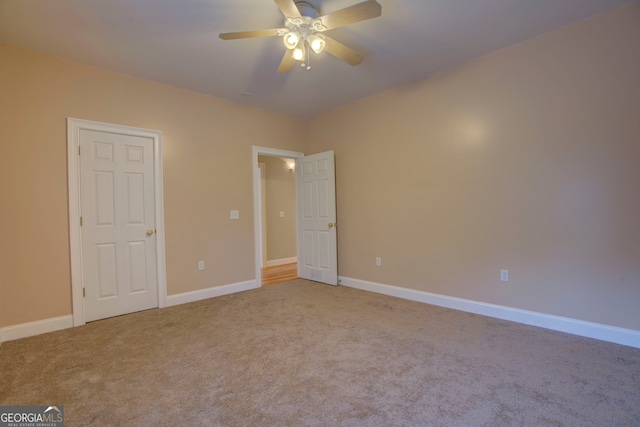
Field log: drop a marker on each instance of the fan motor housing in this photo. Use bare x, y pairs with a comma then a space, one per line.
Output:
306, 8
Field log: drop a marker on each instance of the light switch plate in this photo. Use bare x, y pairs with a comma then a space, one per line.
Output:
235, 215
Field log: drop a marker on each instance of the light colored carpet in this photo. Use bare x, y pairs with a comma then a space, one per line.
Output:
306, 354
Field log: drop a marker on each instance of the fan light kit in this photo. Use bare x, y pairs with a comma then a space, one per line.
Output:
303, 31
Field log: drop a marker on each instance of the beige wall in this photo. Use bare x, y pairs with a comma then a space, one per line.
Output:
207, 172
527, 159
280, 185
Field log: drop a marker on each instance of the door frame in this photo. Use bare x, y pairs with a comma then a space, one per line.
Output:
263, 212
74, 126
257, 201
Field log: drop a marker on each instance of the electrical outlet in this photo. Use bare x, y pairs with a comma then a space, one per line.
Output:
504, 275
281, 214
200, 265
378, 261
234, 215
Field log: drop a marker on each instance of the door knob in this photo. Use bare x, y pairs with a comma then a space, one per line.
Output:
150, 232
331, 224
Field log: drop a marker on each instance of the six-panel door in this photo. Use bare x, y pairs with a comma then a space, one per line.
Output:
118, 224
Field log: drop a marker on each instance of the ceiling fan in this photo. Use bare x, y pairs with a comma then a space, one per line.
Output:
304, 30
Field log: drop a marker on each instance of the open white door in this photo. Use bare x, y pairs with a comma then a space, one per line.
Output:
316, 212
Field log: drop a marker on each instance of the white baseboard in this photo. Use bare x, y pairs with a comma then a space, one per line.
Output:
24, 330
38, 327
597, 331
215, 291
281, 261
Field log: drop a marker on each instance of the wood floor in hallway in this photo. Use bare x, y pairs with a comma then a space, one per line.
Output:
279, 274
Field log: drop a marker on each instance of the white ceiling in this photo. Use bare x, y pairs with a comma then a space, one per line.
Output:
176, 42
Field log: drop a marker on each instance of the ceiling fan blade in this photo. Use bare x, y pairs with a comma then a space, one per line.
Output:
342, 52
356, 13
287, 63
288, 8
249, 34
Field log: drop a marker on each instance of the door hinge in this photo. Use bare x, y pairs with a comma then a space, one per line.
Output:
84, 292
78, 150
80, 221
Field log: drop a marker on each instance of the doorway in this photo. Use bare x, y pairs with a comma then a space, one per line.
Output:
268, 220
316, 248
278, 205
